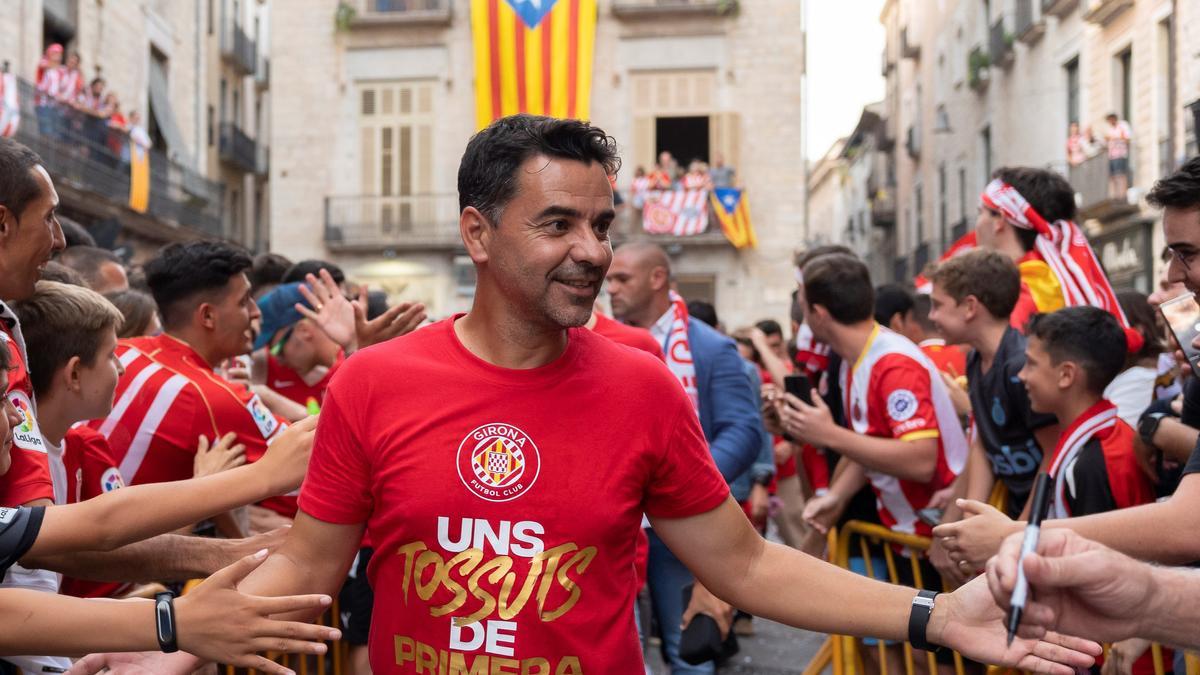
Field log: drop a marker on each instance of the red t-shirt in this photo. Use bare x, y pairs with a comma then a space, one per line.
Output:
630, 336
950, 359
899, 404
289, 384
168, 397
91, 471
505, 501
28, 478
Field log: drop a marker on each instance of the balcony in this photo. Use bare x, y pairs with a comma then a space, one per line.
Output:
1030, 29
1058, 8
92, 177
883, 208
237, 48
1103, 12
412, 223
366, 13
908, 50
629, 227
978, 69
262, 73
639, 9
237, 149
1000, 45
1092, 192
912, 142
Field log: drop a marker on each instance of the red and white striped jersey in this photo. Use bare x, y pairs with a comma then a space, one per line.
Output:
168, 397
28, 478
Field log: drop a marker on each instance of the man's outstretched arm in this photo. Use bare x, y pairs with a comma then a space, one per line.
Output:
739, 566
316, 556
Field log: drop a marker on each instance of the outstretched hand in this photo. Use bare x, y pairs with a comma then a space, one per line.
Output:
396, 321
969, 622
329, 309
1081, 586
971, 541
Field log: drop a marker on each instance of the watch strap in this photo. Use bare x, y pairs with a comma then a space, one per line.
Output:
164, 622
918, 620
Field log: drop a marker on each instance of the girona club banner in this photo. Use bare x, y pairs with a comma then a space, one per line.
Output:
533, 56
678, 212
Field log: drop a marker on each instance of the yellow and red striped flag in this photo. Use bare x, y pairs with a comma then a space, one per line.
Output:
733, 210
533, 56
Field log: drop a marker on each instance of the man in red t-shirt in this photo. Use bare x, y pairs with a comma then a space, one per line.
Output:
502, 460
170, 393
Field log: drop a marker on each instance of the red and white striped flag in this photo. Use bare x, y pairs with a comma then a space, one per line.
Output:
681, 213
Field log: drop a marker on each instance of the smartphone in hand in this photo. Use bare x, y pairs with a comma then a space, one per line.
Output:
798, 386
1182, 314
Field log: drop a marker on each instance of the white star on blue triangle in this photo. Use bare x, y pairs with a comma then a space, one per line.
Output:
531, 11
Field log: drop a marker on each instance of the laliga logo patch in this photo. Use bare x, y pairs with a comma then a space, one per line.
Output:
901, 405
498, 462
26, 434
111, 480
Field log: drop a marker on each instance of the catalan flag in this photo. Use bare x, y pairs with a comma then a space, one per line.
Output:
733, 210
533, 56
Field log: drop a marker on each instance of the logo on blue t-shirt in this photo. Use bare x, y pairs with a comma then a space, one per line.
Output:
998, 415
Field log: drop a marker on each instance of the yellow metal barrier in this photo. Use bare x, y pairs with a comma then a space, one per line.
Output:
913, 547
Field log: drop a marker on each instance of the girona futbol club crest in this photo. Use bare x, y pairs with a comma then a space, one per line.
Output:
498, 462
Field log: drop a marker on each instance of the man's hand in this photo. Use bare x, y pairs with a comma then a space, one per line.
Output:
704, 602
951, 573
1122, 655
941, 498
286, 459
823, 511
811, 423
770, 410
969, 622
399, 320
1081, 587
977, 537
218, 623
226, 453
329, 310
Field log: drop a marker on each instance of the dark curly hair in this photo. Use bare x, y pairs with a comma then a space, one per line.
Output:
1180, 190
183, 272
487, 175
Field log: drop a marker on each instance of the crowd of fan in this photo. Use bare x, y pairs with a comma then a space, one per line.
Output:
204, 367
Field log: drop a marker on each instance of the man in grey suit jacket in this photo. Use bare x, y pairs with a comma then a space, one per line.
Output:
639, 282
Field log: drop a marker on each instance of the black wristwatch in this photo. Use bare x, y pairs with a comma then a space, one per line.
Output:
164, 622
1148, 426
918, 621
764, 480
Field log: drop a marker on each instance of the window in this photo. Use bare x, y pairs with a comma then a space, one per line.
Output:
1072, 73
918, 216
985, 141
235, 213
212, 114
396, 151
237, 106
962, 194
1123, 84
942, 224
223, 103
211, 12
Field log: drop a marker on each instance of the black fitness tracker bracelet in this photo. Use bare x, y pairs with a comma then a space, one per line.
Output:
918, 621
164, 622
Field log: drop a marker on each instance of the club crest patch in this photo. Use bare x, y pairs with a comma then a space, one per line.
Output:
111, 480
901, 405
498, 462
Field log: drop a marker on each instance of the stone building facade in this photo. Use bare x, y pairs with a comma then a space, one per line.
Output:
367, 145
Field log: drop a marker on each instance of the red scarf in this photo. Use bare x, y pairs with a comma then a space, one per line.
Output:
1098, 419
1065, 249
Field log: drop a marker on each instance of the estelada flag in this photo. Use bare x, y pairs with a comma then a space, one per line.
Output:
965, 243
533, 56
733, 210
